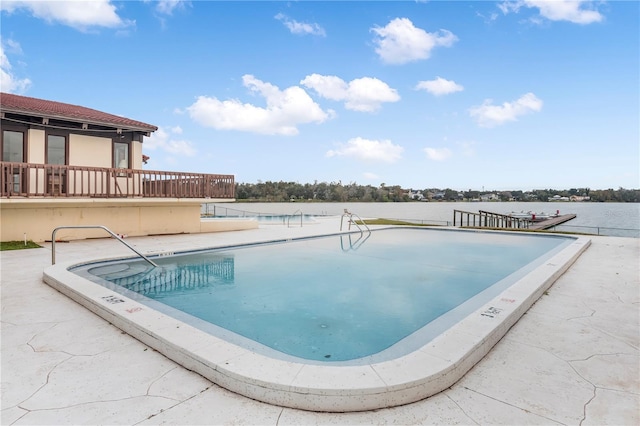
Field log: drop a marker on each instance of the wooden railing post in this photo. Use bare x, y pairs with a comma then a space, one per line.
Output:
54, 180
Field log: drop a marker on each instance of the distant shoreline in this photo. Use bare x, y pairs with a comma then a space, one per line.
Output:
266, 192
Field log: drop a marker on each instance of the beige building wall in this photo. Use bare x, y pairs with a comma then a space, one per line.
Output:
136, 151
36, 219
84, 150
90, 151
35, 154
35, 146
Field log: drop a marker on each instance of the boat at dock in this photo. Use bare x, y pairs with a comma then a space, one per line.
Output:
532, 216
551, 221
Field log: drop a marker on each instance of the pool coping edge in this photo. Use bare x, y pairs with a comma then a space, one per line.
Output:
409, 378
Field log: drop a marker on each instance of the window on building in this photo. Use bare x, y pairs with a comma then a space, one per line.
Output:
56, 149
121, 155
13, 146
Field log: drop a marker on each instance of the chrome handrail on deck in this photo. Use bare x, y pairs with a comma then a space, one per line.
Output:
293, 215
350, 215
53, 241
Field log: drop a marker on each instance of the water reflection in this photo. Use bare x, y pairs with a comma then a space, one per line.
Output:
197, 274
348, 242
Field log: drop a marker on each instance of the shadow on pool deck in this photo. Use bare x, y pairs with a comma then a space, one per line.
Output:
571, 359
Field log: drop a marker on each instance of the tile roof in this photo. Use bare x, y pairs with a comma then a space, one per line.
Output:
51, 109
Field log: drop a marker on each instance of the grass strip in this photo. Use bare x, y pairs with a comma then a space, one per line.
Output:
18, 245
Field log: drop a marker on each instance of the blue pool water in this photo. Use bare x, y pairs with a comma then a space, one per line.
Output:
353, 298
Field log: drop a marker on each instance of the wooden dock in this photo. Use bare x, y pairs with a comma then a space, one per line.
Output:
485, 219
551, 222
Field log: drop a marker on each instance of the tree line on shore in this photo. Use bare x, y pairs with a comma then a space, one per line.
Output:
338, 192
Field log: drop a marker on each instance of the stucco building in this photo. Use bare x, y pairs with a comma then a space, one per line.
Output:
69, 165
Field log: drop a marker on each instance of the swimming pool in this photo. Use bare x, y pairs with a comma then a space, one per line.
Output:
319, 299
420, 352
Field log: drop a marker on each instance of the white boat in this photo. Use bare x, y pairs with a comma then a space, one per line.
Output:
532, 216
537, 217
520, 215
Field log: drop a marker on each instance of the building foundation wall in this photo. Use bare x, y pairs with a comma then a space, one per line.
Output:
35, 219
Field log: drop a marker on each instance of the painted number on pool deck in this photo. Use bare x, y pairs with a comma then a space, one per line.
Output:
112, 299
491, 312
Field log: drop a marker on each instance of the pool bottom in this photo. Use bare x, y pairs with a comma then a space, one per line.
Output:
432, 368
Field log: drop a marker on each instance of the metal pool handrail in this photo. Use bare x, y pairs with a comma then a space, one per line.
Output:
350, 216
53, 241
293, 215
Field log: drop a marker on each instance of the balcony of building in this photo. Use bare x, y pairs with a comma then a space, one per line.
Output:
30, 180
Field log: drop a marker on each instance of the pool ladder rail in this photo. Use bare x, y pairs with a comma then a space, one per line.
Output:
350, 220
114, 235
294, 214
354, 245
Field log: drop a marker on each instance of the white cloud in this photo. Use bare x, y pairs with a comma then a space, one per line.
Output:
437, 154
327, 86
166, 7
576, 11
300, 27
13, 46
439, 86
285, 110
488, 18
9, 82
488, 115
80, 15
180, 147
400, 42
162, 139
368, 150
370, 176
362, 94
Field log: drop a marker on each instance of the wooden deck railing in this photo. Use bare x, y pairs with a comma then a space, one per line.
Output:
48, 180
488, 219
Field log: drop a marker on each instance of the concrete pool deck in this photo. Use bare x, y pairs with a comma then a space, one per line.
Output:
572, 359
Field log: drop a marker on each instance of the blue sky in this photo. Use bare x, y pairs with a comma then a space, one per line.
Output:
466, 95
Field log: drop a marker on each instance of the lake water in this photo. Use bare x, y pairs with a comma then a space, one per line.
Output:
614, 219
